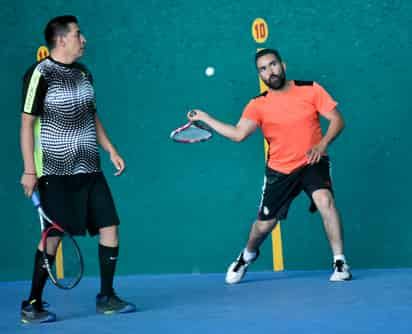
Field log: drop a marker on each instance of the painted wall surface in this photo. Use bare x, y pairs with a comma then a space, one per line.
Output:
188, 208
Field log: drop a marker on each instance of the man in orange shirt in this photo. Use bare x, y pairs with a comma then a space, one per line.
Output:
288, 115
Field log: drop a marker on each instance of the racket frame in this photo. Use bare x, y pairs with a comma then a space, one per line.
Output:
44, 232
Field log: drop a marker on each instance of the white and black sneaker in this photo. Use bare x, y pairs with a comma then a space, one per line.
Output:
238, 269
341, 272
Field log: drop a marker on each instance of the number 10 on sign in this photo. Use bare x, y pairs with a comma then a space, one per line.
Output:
260, 30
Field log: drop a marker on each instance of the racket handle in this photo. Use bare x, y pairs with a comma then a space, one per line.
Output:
35, 199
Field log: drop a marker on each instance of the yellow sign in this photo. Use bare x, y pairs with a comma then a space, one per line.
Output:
42, 52
260, 31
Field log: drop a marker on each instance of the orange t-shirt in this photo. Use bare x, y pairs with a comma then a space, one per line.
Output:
290, 122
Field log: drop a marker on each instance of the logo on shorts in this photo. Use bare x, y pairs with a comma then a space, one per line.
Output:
265, 210
113, 258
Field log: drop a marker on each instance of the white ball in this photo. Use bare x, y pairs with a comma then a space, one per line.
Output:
210, 71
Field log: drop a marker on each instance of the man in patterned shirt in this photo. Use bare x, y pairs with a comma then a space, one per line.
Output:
60, 134
288, 115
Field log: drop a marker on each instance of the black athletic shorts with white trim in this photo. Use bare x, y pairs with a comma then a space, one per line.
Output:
79, 203
279, 190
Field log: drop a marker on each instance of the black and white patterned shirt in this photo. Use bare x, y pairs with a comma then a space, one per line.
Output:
62, 96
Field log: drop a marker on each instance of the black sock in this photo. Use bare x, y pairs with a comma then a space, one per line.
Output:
107, 261
40, 275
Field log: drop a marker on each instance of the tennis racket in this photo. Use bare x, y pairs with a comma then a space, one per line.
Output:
191, 132
68, 271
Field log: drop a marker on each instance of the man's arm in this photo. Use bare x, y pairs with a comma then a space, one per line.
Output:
29, 178
105, 143
336, 125
237, 133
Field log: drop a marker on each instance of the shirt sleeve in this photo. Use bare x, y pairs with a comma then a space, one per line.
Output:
324, 103
34, 92
252, 113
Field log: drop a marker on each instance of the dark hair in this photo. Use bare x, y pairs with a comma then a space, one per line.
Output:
265, 52
59, 26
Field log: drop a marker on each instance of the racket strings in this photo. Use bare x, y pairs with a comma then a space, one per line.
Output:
68, 266
192, 133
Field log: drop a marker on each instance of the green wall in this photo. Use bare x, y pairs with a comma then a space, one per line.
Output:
188, 208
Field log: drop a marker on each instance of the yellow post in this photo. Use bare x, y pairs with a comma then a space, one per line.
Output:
260, 33
43, 52
59, 262
277, 248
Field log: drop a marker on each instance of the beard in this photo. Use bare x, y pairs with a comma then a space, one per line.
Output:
276, 81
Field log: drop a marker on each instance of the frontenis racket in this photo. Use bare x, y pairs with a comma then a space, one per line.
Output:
68, 270
191, 132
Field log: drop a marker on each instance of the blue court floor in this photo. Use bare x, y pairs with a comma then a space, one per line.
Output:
304, 302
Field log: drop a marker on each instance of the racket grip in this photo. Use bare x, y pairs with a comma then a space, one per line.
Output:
35, 199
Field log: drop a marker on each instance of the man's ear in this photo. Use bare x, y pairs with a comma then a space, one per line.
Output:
60, 40
284, 66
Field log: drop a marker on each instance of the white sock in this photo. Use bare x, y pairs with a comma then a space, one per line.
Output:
248, 256
339, 257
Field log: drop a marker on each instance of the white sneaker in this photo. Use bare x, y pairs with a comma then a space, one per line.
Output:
341, 272
238, 269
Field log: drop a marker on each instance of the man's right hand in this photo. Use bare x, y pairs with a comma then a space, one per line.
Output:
29, 183
196, 115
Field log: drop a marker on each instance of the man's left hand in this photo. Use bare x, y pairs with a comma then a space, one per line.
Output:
118, 162
316, 152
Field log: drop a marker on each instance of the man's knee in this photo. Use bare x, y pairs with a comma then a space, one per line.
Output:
265, 226
109, 236
324, 200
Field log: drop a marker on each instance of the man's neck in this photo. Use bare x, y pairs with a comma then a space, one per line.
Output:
61, 57
285, 88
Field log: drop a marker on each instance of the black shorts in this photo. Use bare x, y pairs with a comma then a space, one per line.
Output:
78, 202
279, 190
